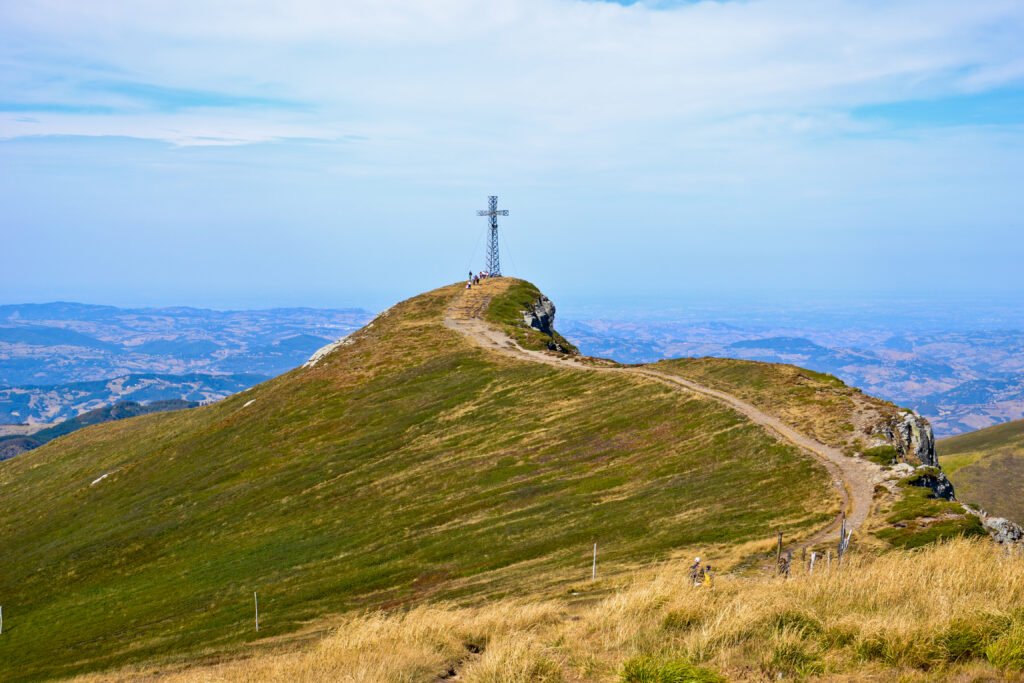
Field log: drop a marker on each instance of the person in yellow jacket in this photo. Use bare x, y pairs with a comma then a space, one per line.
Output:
709, 580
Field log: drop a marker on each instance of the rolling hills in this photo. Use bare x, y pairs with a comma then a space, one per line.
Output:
407, 464
987, 467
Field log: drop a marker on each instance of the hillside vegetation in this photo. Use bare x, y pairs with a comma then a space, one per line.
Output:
987, 468
15, 444
816, 403
404, 467
950, 612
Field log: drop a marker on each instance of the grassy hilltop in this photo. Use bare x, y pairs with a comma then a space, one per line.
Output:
987, 468
406, 466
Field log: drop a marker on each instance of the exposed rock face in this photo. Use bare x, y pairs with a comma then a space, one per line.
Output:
933, 478
1003, 530
913, 438
541, 315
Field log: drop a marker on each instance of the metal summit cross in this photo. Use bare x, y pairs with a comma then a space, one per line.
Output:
493, 262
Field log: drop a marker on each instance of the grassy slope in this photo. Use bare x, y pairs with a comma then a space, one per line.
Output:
405, 466
816, 403
823, 406
987, 468
948, 612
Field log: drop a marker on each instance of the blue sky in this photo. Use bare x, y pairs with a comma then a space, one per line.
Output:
308, 153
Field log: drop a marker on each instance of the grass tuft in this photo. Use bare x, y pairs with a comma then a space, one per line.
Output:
654, 670
1007, 652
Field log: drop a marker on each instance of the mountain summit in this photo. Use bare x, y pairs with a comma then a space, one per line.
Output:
455, 447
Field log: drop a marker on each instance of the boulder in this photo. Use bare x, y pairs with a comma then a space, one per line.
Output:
541, 315
1003, 530
912, 436
935, 479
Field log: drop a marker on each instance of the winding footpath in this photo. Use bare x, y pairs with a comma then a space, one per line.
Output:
853, 478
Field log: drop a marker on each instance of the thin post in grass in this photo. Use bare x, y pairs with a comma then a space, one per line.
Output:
842, 538
593, 568
1, 620
778, 550
257, 601
814, 556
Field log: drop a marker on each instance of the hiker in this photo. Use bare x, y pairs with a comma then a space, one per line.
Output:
695, 573
471, 276
709, 580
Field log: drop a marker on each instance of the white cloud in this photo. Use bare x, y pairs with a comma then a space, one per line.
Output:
548, 74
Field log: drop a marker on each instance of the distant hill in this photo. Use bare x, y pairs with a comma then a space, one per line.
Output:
16, 444
37, 335
960, 379
62, 402
407, 464
63, 343
987, 468
62, 359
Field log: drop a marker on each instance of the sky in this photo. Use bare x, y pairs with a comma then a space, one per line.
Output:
256, 153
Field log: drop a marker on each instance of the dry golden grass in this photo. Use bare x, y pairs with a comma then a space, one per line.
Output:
948, 612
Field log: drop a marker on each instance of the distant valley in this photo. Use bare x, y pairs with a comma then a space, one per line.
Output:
960, 380
60, 360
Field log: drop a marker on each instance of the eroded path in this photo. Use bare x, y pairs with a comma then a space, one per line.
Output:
853, 478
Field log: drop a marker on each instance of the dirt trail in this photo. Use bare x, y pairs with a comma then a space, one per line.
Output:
853, 478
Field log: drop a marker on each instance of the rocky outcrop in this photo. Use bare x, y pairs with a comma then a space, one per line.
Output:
541, 315
913, 439
932, 478
911, 435
1002, 529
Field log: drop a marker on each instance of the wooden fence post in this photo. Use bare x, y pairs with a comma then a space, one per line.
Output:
257, 601
593, 569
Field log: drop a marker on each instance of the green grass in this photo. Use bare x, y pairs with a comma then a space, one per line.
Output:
507, 312
816, 403
987, 468
881, 455
405, 467
918, 519
655, 670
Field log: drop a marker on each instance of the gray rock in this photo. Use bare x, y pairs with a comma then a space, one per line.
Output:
901, 470
933, 478
912, 436
541, 315
1003, 530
